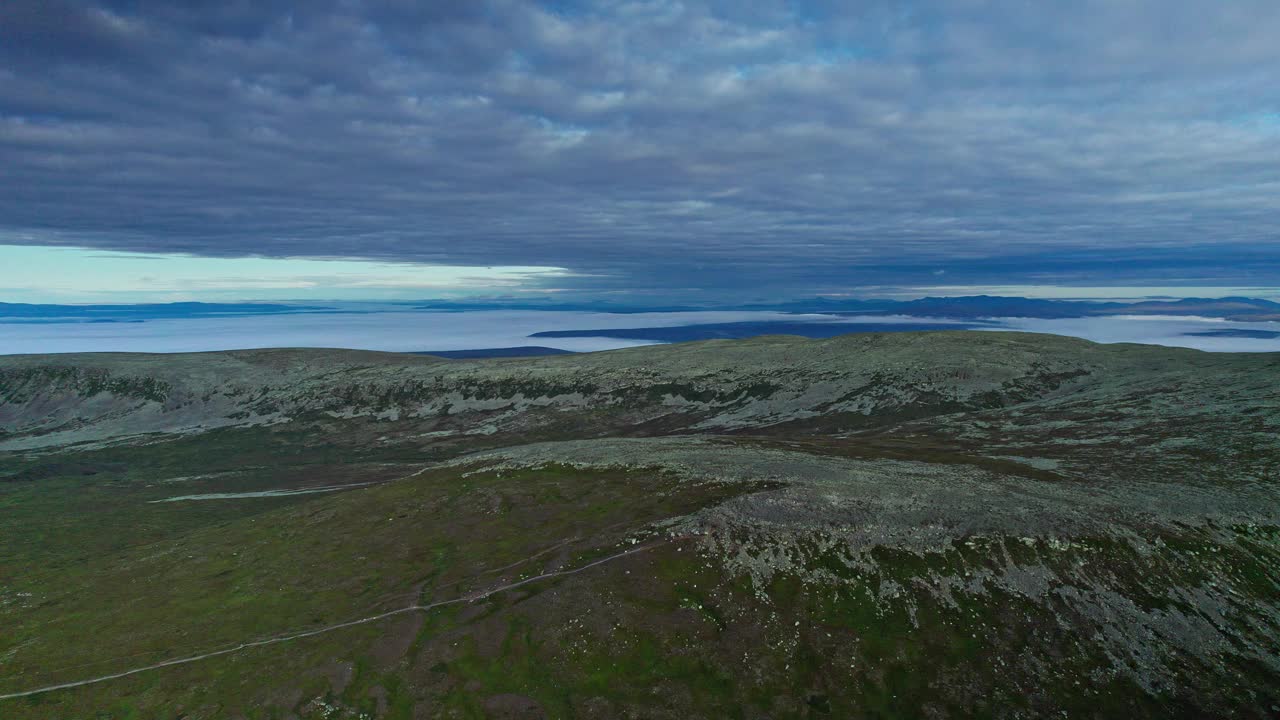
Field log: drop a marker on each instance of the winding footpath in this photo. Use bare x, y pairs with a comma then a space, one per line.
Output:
330, 628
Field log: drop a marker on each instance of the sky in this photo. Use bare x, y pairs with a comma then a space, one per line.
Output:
640, 149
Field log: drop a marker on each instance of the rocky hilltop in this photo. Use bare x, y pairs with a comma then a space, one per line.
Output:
849, 382
946, 524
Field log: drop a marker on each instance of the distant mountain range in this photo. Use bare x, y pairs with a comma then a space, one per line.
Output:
980, 306
742, 330
964, 308
1237, 333
507, 352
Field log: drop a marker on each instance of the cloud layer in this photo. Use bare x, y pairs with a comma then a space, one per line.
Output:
654, 145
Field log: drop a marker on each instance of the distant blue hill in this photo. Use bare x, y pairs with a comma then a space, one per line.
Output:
739, 330
523, 351
1237, 333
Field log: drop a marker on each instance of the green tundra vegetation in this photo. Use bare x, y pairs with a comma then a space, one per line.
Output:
939, 525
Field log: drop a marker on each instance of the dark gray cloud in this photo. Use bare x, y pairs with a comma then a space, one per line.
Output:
655, 144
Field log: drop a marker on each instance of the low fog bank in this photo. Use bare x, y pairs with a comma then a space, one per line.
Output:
419, 330
1172, 331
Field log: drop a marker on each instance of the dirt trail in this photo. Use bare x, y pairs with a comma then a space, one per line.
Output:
330, 628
